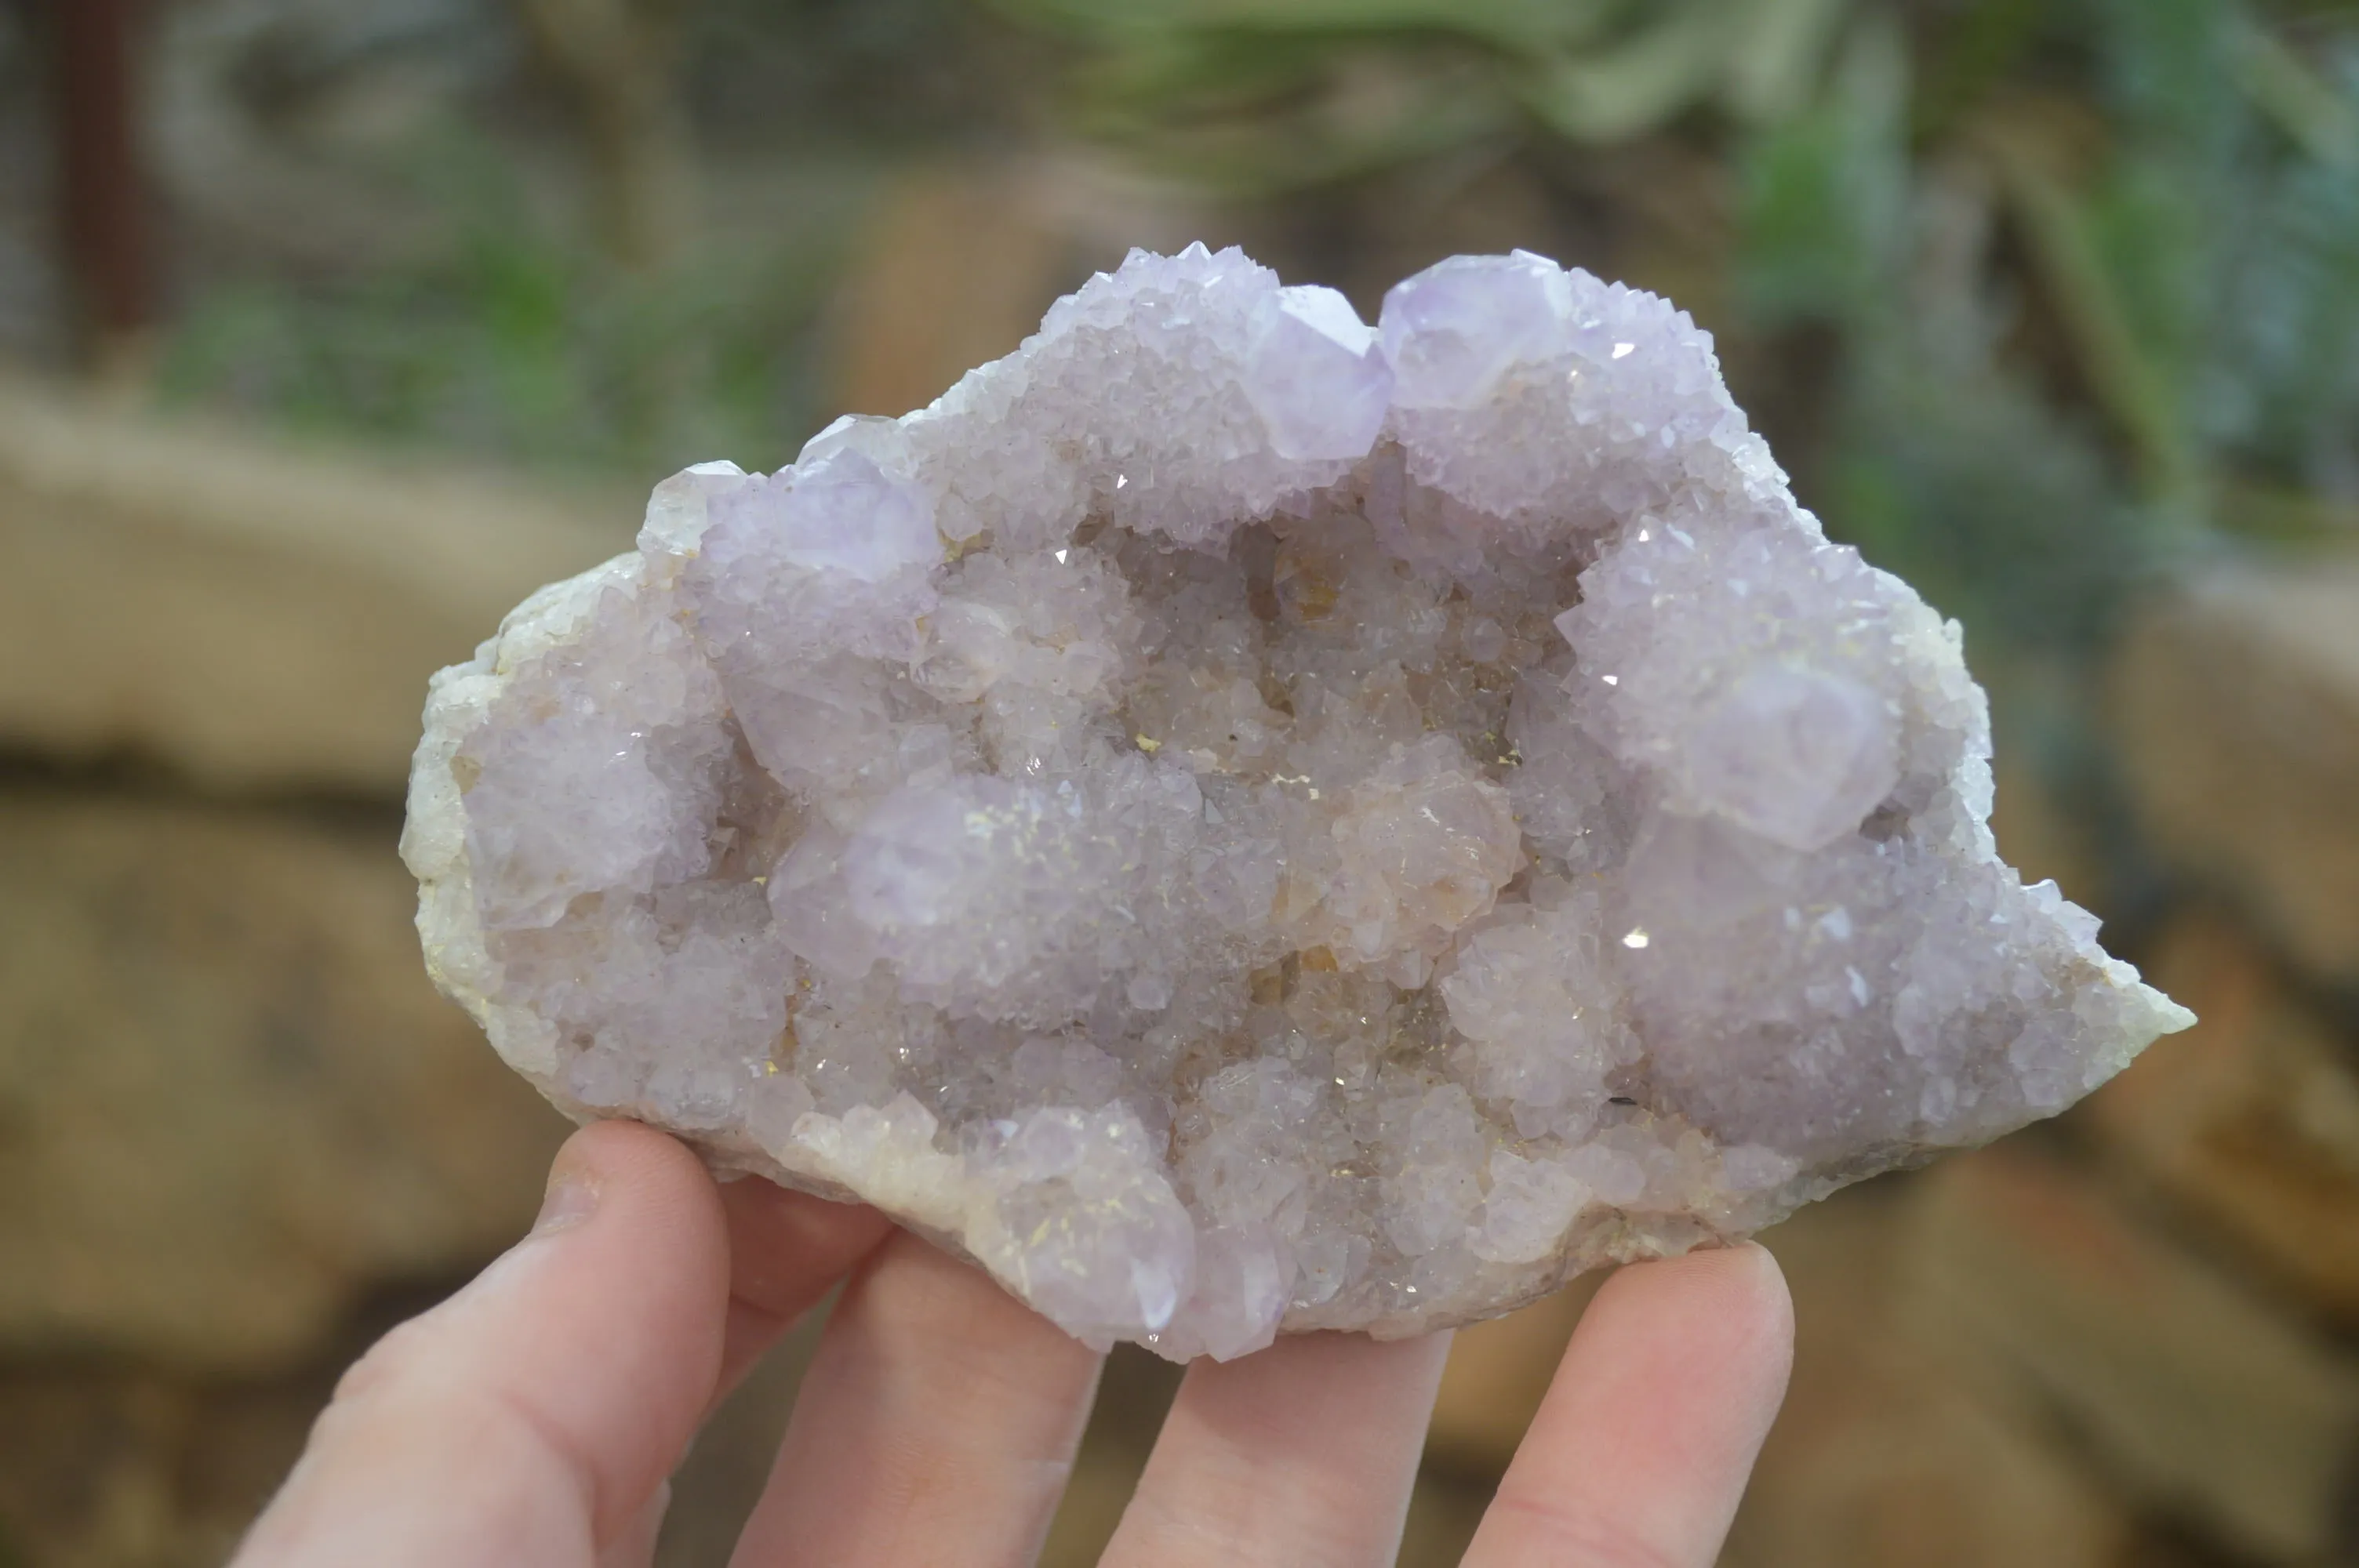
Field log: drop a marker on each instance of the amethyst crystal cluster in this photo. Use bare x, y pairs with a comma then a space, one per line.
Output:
1238, 820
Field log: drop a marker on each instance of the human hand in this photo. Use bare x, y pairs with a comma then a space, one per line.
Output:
533, 1417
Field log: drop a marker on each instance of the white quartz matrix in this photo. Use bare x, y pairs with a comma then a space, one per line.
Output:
1239, 821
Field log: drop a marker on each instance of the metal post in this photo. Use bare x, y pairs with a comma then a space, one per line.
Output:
105, 214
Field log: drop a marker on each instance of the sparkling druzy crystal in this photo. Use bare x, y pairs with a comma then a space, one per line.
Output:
1240, 821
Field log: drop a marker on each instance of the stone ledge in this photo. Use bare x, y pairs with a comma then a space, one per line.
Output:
2248, 1122
2237, 708
2197, 1397
251, 614
230, 1101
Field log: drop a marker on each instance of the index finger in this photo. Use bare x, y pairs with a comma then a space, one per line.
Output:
532, 1417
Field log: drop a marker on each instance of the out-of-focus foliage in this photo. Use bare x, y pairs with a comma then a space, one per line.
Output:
2096, 291
410, 252
511, 336
2035, 293
1946, 458
2087, 269
1258, 95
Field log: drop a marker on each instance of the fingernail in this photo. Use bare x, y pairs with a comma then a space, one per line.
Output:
572, 1198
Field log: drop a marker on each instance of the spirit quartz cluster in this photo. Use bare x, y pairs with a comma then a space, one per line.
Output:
1240, 821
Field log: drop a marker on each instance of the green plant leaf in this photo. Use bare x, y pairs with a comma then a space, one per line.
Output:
1780, 54
1638, 85
2323, 122
1527, 28
2065, 233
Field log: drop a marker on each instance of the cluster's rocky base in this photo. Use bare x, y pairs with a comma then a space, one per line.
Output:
1241, 821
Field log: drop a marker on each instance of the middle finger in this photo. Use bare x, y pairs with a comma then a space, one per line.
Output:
937, 1425
1298, 1456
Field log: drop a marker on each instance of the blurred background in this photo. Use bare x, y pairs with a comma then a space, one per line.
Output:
329, 328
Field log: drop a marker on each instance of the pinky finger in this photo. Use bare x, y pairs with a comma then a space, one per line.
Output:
1641, 1450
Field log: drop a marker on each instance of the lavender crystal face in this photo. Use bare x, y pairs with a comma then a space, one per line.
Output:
1241, 821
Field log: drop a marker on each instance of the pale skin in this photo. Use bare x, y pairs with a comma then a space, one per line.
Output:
533, 1417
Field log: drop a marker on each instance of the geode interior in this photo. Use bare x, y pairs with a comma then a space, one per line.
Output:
1238, 820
